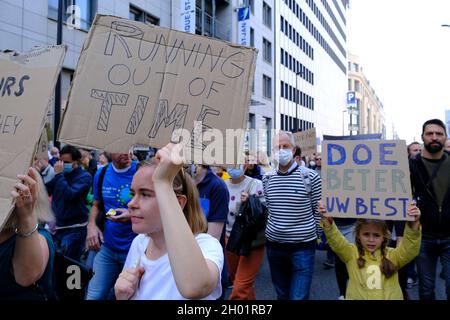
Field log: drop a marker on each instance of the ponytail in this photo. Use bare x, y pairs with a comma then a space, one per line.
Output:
386, 266
361, 261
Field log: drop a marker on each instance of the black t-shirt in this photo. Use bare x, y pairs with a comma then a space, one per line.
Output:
9, 289
441, 182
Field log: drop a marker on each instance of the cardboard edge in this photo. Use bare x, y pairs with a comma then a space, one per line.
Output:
59, 65
248, 99
100, 16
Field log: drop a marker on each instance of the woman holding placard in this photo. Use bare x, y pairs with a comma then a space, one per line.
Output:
26, 250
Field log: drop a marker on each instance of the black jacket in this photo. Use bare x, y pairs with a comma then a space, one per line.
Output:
435, 220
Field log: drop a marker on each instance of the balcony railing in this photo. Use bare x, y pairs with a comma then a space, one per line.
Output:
222, 30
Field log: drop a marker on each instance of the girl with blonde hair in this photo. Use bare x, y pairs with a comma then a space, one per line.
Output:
173, 257
373, 266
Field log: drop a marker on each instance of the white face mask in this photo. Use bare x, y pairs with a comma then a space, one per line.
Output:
284, 156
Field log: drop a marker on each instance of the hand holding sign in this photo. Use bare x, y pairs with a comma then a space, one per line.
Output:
414, 212
25, 194
169, 163
327, 220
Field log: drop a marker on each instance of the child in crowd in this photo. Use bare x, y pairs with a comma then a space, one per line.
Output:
172, 257
371, 265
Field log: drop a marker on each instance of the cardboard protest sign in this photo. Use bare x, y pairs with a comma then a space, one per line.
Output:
366, 179
27, 81
306, 140
141, 84
41, 151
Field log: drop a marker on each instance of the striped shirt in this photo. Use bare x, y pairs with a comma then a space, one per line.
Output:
293, 216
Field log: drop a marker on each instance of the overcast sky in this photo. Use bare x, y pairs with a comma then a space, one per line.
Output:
405, 54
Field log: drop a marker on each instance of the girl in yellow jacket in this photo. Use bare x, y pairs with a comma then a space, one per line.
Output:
371, 265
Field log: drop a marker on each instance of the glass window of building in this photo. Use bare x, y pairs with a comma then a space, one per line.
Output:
267, 50
357, 86
251, 4
137, 14
252, 37
267, 87
267, 15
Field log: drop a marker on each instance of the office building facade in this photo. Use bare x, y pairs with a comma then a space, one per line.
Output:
310, 65
368, 115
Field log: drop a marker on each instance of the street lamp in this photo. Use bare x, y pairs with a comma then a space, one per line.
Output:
297, 96
343, 121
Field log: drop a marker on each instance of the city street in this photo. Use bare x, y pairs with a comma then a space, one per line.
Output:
324, 286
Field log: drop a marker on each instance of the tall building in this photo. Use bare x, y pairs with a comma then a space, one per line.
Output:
367, 114
261, 36
310, 65
24, 24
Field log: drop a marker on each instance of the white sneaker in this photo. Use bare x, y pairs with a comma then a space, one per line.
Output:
341, 298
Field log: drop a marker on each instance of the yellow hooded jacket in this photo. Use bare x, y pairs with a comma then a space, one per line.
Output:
369, 283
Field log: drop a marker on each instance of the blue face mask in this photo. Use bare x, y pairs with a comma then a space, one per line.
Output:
236, 173
67, 168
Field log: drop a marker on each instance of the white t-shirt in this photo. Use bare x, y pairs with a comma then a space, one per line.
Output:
235, 191
157, 282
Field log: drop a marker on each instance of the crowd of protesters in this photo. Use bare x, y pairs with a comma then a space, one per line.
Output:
150, 227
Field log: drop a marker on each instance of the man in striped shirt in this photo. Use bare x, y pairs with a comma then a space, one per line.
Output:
293, 226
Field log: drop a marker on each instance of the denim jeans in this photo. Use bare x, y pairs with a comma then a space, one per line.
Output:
291, 270
430, 251
89, 259
70, 242
108, 264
